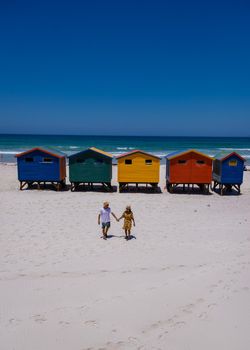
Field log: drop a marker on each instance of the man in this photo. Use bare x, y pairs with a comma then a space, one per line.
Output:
104, 218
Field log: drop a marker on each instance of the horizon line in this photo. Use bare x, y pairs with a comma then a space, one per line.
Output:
103, 135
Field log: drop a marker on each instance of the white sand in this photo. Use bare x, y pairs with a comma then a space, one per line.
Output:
182, 284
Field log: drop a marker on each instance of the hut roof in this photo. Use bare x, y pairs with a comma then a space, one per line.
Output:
49, 151
224, 155
101, 152
180, 153
96, 150
137, 151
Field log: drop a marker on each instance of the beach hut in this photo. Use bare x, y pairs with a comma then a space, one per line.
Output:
228, 171
41, 165
138, 167
188, 168
90, 166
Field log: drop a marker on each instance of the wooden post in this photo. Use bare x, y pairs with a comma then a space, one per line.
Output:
221, 189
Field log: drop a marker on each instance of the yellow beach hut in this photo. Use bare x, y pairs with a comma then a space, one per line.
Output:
138, 167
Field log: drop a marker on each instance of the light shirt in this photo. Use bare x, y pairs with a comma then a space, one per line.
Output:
105, 215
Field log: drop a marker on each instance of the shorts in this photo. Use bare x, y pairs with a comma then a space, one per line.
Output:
105, 224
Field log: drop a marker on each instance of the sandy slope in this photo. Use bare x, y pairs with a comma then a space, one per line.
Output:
183, 283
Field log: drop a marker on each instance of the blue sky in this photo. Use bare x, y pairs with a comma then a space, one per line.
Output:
125, 67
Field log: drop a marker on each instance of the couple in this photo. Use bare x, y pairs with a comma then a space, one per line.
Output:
104, 218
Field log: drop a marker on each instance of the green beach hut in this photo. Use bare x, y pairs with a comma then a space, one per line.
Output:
90, 166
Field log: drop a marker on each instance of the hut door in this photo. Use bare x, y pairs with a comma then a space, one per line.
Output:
200, 170
180, 170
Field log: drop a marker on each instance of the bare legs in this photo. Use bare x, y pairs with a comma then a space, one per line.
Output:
127, 234
105, 231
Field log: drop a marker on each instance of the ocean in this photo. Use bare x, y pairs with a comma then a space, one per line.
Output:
159, 145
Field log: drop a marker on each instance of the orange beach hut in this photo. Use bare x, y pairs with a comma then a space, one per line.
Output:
138, 167
188, 167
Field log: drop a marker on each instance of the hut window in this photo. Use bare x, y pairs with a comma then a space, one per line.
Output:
233, 163
200, 162
128, 161
47, 160
182, 161
29, 159
79, 160
148, 161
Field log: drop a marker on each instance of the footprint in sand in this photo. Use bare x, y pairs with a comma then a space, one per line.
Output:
14, 321
188, 308
203, 316
39, 318
179, 324
64, 323
22, 275
211, 305
90, 323
246, 289
200, 300
110, 345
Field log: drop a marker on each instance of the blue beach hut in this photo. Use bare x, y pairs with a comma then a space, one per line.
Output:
41, 165
227, 171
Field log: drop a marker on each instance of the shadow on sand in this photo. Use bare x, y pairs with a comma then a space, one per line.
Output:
192, 191
122, 236
231, 192
141, 189
95, 188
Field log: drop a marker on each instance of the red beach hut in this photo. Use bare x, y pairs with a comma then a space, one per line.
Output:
188, 168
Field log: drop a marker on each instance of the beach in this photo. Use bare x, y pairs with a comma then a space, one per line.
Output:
182, 282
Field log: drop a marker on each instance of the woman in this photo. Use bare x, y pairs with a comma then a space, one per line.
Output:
128, 218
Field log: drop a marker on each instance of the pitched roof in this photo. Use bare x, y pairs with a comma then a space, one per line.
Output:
137, 151
49, 151
93, 149
224, 155
181, 153
101, 152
